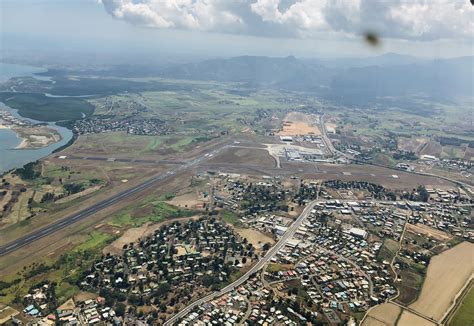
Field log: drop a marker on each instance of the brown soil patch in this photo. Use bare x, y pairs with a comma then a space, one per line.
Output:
6, 313
411, 319
411, 144
256, 238
146, 210
84, 296
447, 274
69, 304
297, 123
429, 231
188, 200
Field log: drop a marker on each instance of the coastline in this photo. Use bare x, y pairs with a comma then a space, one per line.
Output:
15, 148
36, 137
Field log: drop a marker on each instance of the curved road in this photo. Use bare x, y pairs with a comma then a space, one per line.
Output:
269, 255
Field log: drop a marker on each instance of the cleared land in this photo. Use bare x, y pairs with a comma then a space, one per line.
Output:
188, 200
411, 144
447, 274
410, 319
428, 231
257, 239
6, 313
297, 123
384, 314
134, 234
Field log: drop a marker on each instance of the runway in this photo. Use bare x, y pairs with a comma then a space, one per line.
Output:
67, 221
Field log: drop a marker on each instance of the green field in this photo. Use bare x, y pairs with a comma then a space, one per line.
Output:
95, 240
230, 218
465, 314
155, 212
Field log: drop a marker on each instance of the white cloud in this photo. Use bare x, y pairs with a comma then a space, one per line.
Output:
434, 19
401, 19
184, 14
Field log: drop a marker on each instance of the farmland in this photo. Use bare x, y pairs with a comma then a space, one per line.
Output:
443, 281
384, 314
465, 313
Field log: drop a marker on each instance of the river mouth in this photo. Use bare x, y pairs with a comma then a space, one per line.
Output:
11, 158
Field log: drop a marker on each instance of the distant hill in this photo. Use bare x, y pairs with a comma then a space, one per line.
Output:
252, 70
387, 75
437, 79
350, 81
387, 59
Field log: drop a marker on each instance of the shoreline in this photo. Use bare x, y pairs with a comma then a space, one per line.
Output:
36, 137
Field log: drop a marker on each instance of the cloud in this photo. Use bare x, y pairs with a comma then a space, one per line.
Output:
205, 15
400, 19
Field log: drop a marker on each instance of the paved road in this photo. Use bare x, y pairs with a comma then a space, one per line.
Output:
67, 221
467, 187
269, 255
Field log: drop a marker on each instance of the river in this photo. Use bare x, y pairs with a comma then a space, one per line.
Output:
11, 158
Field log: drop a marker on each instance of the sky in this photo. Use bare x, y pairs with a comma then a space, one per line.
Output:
304, 28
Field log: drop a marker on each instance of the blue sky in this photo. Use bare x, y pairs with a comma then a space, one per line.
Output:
309, 28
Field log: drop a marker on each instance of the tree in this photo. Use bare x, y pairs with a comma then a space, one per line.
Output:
423, 193
120, 309
209, 280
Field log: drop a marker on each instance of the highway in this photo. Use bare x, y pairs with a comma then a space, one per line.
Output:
69, 220
259, 265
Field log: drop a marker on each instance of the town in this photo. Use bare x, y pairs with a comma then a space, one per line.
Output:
147, 127
338, 263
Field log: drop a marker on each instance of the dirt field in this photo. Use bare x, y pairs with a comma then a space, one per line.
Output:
384, 314
410, 319
257, 239
83, 296
6, 313
431, 148
429, 231
297, 123
447, 273
411, 144
189, 200
134, 234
